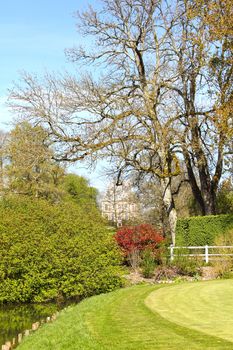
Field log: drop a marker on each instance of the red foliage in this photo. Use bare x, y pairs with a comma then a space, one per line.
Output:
138, 238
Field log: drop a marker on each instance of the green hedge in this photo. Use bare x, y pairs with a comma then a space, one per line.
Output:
51, 251
202, 230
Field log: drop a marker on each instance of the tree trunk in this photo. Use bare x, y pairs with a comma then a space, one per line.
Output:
193, 182
204, 194
204, 190
209, 202
169, 206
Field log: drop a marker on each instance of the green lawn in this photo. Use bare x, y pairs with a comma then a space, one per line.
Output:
203, 306
123, 321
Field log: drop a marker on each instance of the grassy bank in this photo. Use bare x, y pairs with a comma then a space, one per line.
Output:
122, 320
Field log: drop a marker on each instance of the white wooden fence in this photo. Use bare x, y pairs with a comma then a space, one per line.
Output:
204, 251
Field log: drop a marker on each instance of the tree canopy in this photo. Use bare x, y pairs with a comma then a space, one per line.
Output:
30, 168
76, 188
161, 93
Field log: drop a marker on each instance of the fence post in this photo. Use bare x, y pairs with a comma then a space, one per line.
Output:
206, 254
171, 252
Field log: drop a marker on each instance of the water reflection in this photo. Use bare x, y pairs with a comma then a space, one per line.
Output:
16, 319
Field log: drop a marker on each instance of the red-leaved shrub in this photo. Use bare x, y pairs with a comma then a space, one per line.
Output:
133, 240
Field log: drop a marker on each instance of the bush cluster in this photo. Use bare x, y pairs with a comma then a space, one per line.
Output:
202, 230
139, 241
50, 251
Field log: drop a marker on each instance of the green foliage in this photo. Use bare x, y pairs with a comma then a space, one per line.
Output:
31, 169
148, 263
49, 251
77, 189
224, 266
202, 230
225, 198
185, 265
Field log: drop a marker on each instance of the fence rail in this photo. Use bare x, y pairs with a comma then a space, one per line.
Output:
206, 251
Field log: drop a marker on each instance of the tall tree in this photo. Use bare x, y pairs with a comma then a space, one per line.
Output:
76, 188
129, 112
31, 169
204, 100
143, 106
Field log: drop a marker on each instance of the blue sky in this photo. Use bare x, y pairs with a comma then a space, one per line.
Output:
33, 36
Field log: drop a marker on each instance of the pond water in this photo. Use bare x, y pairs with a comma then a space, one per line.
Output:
16, 319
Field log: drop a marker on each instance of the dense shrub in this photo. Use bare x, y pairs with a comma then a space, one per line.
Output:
134, 240
50, 251
202, 230
187, 266
148, 263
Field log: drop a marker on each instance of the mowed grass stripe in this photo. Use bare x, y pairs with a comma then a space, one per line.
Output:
203, 306
118, 321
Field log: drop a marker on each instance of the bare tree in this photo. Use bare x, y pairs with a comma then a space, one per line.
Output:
140, 103
127, 112
203, 92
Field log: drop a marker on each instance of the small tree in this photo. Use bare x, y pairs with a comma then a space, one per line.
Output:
31, 169
77, 189
134, 240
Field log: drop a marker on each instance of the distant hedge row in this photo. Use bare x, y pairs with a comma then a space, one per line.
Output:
202, 230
